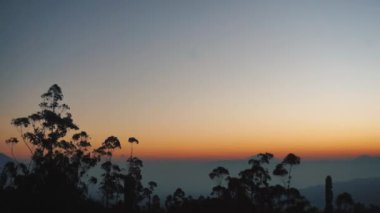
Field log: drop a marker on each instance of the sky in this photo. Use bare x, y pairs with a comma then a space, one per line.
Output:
200, 79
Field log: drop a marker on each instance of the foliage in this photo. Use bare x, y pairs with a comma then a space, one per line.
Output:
344, 203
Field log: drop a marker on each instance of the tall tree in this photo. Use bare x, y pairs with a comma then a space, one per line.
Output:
111, 185
11, 142
148, 191
58, 168
133, 188
257, 178
132, 140
285, 168
329, 208
219, 175
291, 160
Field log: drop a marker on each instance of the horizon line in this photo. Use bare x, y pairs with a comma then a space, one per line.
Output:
220, 158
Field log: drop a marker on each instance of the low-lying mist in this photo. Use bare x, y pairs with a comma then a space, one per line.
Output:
192, 175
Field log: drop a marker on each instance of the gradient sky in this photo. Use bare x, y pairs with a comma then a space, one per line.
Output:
200, 79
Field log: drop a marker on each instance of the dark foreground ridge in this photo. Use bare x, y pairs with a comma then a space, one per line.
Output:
57, 178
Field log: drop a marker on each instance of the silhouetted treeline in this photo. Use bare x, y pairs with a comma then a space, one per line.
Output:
57, 177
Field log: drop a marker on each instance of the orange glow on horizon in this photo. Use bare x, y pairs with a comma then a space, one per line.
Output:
223, 150
231, 137
206, 81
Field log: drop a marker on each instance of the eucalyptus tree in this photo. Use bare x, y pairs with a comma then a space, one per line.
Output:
133, 188
132, 181
257, 177
237, 189
219, 175
179, 197
111, 184
57, 171
132, 140
148, 191
286, 166
175, 202
285, 169
11, 142
291, 160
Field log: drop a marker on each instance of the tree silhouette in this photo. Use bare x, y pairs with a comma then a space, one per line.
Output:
57, 172
57, 177
11, 142
237, 188
291, 160
156, 204
280, 170
148, 191
296, 203
169, 202
219, 174
178, 197
257, 178
133, 188
11, 174
175, 202
132, 140
110, 186
344, 203
329, 208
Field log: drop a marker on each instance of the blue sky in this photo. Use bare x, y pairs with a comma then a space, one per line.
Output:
172, 71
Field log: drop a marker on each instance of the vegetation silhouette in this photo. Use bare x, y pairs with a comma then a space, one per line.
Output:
344, 202
57, 177
329, 196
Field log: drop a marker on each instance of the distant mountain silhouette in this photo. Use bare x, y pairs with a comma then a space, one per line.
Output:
366, 159
363, 190
3, 160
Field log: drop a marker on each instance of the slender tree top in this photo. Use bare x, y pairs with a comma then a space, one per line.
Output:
218, 172
133, 140
292, 159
